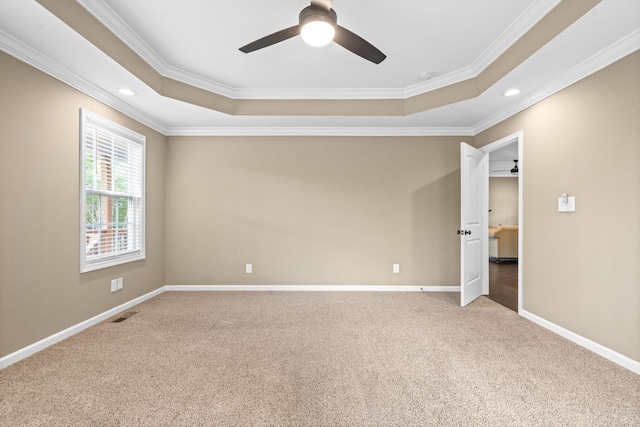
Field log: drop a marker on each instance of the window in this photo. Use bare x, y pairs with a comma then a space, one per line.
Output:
112, 187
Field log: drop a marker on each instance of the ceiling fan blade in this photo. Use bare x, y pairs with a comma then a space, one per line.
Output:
358, 45
271, 39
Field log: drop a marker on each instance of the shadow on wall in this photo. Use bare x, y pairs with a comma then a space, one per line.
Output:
436, 217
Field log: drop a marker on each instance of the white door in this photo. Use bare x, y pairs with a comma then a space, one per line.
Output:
472, 165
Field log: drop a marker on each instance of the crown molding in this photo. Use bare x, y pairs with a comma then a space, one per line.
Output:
318, 131
623, 47
112, 21
607, 56
439, 82
520, 26
34, 58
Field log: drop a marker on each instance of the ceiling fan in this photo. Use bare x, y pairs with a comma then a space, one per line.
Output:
318, 27
513, 170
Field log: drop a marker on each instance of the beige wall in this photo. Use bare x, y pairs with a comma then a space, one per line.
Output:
324, 211
41, 289
313, 210
503, 201
582, 270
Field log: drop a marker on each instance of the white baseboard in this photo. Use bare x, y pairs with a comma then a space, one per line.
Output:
607, 353
320, 288
25, 352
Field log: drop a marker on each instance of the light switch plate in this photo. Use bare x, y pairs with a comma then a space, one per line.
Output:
570, 206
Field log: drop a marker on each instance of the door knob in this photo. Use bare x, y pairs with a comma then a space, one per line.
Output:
467, 232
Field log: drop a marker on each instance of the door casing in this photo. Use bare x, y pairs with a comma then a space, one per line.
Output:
510, 139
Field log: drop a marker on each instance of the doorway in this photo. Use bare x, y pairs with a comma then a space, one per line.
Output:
503, 272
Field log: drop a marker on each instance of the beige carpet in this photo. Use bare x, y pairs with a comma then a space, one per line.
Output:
317, 359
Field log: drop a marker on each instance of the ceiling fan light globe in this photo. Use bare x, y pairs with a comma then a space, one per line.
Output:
317, 33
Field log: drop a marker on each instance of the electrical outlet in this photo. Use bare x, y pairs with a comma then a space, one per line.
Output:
396, 268
248, 268
114, 285
120, 283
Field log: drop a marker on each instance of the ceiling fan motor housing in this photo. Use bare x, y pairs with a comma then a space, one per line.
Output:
312, 13
318, 26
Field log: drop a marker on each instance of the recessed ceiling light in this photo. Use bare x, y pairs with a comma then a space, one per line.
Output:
512, 92
127, 92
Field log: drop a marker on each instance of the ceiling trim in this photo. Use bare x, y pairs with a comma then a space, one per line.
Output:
519, 27
606, 57
114, 23
318, 131
564, 14
34, 58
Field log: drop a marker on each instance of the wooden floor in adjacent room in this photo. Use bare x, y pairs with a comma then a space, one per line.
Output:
503, 283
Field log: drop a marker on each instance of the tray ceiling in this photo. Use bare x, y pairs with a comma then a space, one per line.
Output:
448, 63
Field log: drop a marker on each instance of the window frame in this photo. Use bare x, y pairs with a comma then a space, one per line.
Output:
119, 131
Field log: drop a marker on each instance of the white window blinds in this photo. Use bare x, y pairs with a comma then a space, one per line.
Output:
112, 193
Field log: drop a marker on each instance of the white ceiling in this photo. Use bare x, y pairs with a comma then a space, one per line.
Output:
197, 41
417, 36
502, 160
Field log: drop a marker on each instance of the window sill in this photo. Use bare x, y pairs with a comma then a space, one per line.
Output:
111, 262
